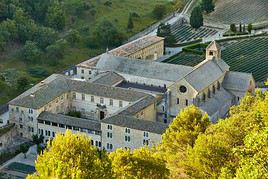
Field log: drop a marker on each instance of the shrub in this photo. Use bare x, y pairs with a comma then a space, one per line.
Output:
38, 72
233, 27
108, 3
74, 114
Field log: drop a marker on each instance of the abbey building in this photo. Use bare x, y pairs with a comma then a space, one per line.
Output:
126, 99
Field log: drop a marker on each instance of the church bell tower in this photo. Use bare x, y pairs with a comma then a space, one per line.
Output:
213, 51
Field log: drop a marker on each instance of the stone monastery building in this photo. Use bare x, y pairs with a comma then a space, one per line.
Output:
126, 98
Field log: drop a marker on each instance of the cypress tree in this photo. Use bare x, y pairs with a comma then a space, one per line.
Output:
196, 19
130, 24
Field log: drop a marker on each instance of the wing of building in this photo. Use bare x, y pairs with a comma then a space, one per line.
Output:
125, 99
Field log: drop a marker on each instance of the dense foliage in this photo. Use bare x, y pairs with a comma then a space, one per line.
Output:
207, 5
51, 36
165, 31
196, 18
192, 147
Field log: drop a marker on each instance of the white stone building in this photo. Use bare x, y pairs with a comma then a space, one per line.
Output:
126, 102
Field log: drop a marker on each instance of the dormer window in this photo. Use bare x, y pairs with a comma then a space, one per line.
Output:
211, 53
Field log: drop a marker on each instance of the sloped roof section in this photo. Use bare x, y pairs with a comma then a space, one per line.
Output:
135, 123
43, 92
143, 68
237, 81
213, 46
47, 91
217, 102
204, 74
108, 78
71, 121
139, 105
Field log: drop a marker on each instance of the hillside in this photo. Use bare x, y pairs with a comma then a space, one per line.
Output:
42, 37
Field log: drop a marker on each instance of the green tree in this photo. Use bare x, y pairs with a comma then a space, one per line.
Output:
107, 35
254, 156
180, 135
159, 11
139, 163
233, 27
130, 24
56, 16
44, 37
72, 156
73, 37
22, 83
37, 140
250, 28
196, 19
207, 5
56, 50
165, 31
216, 153
30, 52
24, 148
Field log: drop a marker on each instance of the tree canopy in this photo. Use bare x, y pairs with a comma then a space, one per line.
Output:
72, 156
165, 31
196, 18
207, 5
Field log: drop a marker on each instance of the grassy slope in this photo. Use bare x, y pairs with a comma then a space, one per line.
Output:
118, 13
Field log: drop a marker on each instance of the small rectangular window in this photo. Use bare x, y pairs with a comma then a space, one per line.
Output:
61, 125
101, 100
47, 122
111, 102
74, 95
120, 104
92, 99
83, 97
109, 127
178, 100
127, 130
186, 102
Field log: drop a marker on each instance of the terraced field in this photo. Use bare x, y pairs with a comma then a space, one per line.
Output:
250, 55
239, 11
185, 33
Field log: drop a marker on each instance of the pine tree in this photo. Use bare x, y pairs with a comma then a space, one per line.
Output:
196, 19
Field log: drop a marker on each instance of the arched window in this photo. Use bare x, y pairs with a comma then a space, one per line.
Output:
218, 85
204, 97
213, 89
